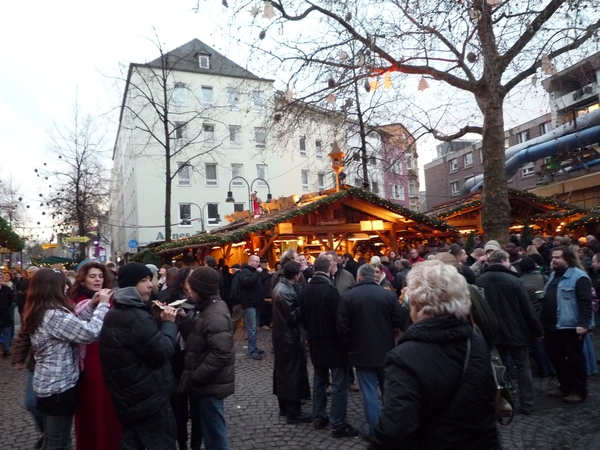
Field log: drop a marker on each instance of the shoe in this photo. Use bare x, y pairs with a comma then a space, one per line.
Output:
302, 418
265, 327
556, 393
526, 411
353, 388
366, 437
261, 352
345, 431
256, 357
573, 398
320, 424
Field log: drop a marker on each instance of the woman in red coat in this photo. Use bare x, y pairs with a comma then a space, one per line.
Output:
96, 424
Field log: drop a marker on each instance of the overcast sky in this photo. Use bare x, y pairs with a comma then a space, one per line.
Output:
53, 52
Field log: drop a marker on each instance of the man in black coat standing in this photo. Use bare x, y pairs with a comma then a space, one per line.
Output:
350, 264
367, 317
251, 298
319, 302
508, 299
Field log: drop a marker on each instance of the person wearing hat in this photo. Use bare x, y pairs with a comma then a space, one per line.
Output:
135, 351
209, 370
480, 258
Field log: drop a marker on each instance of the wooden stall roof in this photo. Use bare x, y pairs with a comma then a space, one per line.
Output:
591, 217
355, 198
524, 206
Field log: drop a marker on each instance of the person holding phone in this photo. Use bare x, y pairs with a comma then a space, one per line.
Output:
54, 326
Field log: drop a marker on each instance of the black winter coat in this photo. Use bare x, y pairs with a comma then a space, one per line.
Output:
290, 375
367, 316
250, 289
428, 403
510, 303
7, 298
210, 360
319, 302
135, 352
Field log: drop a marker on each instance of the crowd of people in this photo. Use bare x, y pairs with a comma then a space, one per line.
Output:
131, 354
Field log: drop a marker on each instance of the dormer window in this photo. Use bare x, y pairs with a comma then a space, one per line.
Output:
204, 61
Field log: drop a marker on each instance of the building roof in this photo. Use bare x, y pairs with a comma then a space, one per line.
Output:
185, 58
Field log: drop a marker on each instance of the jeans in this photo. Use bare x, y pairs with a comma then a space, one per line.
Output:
339, 395
565, 349
541, 358
157, 432
185, 406
251, 322
7, 337
214, 428
31, 400
520, 357
368, 379
58, 432
591, 366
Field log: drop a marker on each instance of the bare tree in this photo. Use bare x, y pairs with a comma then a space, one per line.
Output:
485, 49
77, 191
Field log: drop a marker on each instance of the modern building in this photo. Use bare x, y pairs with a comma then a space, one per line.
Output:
217, 131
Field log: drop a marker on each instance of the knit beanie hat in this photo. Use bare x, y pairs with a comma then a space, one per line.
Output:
205, 281
492, 245
132, 273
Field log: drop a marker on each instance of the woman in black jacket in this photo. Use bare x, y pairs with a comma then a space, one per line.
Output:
439, 387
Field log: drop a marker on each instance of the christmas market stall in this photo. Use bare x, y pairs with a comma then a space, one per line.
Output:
587, 224
348, 220
544, 214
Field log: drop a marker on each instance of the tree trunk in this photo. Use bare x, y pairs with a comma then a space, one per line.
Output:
495, 210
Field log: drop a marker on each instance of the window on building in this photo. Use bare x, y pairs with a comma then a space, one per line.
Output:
304, 177
185, 214
212, 214
468, 159
454, 188
211, 174
180, 130
233, 98
207, 95
375, 187
453, 163
480, 156
184, 174
528, 169
544, 128
262, 171
506, 143
523, 136
411, 162
400, 194
302, 144
204, 61
180, 94
259, 137
319, 149
321, 180
235, 135
413, 191
237, 170
209, 133
258, 101
238, 207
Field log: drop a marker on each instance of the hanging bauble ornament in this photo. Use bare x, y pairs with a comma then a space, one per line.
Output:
331, 98
387, 80
471, 57
348, 17
367, 86
361, 61
262, 35
374, 84
474, 15
254, 11
423, 84
342, 55
269, 11
348, 103
534, 79
331, 83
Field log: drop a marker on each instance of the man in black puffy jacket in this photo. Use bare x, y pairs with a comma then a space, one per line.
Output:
135, 352
251, 298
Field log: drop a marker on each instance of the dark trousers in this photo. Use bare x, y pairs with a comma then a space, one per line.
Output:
157, 432
291, 408
565, 350
186, 407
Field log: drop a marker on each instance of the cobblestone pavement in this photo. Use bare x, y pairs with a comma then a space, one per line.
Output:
254, 423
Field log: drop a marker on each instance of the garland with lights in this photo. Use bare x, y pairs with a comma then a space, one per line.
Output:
9, 239
217, 237
591, 219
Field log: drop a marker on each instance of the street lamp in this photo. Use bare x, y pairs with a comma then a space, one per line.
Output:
230, 198
201, 209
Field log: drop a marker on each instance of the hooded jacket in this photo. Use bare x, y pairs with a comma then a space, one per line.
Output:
135, 351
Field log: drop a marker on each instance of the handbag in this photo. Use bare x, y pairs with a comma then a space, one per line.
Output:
504, 402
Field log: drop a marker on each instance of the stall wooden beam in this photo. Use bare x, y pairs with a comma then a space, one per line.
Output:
268, 244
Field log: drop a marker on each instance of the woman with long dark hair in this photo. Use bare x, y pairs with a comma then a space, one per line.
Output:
50, 320
96, 423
